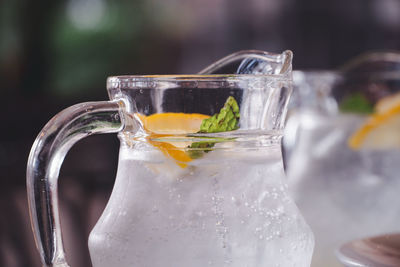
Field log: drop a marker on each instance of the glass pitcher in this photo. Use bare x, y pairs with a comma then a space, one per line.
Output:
346, 191
200, 179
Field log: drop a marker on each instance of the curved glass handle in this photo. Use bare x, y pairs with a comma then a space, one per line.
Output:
45, 159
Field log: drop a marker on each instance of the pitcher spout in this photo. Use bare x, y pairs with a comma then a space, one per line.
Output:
252, 62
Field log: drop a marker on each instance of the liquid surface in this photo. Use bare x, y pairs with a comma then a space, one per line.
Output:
228, 208
343, 194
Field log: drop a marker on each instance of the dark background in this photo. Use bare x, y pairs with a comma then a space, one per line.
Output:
57, 53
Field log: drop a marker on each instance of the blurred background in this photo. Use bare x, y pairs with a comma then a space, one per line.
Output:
57, 53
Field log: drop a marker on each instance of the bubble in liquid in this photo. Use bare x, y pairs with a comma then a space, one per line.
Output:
280, 209
236, 201
269, 237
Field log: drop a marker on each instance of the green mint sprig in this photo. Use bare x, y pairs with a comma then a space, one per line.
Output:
356, 103
226, 120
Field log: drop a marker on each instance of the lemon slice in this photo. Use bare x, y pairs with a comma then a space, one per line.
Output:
164, 125
387, 103
382, 129
172, 123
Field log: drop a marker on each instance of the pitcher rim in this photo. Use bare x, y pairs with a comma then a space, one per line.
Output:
192, 76
284, 59
124, 80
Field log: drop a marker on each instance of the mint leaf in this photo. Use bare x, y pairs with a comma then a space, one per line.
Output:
202, 146
356, 103
226, 120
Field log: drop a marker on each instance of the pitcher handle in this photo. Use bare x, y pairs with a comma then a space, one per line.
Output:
45, 159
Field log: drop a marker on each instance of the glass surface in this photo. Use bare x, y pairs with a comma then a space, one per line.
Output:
200, 179
344, 193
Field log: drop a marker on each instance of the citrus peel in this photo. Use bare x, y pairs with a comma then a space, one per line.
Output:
381, 129
163, 125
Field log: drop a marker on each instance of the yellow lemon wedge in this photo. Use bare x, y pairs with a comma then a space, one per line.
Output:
387, 103
382, 129
172, 123
163, 125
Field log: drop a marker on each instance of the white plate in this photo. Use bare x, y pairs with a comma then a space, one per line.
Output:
382, 251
